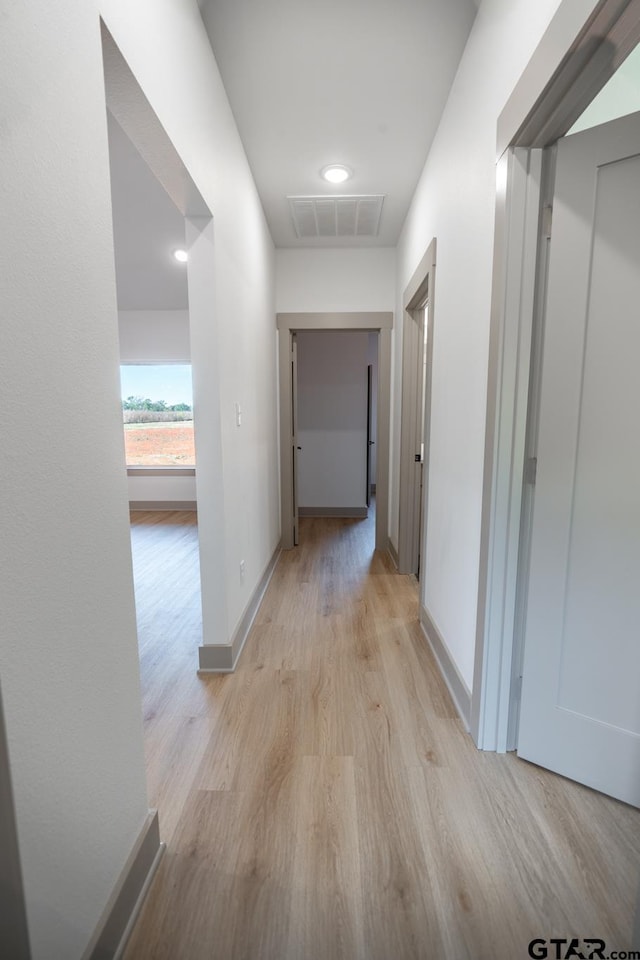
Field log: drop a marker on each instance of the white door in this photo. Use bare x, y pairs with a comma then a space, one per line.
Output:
580, 712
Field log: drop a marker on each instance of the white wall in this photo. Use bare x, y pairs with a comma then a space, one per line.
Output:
156, 335
454, 202
68, 652
332, 418
318, 281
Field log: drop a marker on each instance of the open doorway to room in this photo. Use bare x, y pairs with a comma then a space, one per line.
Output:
158, 415
557, 602
168, 328
375, 330
334, 416
153, 322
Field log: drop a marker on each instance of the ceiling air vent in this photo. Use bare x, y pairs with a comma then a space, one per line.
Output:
341, 216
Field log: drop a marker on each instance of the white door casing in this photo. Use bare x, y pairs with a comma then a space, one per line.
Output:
580, 712
416, 411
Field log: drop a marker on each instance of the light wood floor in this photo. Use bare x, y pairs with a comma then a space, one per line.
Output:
324, 801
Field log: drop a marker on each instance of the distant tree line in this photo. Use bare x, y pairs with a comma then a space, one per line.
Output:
142, 403
143, 410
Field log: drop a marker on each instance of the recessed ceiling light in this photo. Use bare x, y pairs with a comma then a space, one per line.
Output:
336, 173
181, 256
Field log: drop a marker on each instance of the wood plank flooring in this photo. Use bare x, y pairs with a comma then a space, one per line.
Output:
325, 802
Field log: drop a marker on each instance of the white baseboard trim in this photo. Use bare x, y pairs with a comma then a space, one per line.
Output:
163, 505
122, 909
357, 513
460, 693
393, 553
223, 657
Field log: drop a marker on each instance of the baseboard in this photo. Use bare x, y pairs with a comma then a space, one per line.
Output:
354, 513
223, 657
393, 553
163, 505
460, 693
120, 914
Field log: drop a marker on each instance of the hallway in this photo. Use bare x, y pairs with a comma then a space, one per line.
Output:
325, 802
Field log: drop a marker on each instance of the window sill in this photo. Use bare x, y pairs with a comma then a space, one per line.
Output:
161, 471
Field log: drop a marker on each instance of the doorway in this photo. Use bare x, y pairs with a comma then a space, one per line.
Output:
290, 324
538, 217
332, 423
417, 364
579, 708
134, 117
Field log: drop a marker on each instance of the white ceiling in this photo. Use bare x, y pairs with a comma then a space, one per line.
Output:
361, 82
147, 228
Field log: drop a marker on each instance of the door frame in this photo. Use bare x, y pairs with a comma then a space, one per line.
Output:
571, 64
374, 322
420, 288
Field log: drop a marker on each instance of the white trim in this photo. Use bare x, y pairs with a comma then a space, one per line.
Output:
165, 505
421, 287
583, 46
140, 471
354, 513
456, 686
135, 913
507, 403
223, 657
353, 320
124, 904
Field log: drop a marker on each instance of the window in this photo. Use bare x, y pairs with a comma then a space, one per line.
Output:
157, 409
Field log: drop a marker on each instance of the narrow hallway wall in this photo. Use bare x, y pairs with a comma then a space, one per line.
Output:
455, 202
68, 651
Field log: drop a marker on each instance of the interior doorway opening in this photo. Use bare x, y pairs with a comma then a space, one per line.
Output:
531, 233
334, 422
417, 364
154, 332
185, 330
294, 469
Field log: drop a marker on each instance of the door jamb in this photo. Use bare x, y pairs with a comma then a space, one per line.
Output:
420, 288
375, 322
570, 65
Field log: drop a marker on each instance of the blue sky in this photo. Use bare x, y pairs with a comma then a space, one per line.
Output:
170, 382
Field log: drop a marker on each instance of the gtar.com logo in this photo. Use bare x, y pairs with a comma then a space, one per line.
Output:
559, 948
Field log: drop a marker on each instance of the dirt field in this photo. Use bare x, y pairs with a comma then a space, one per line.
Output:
159, 445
